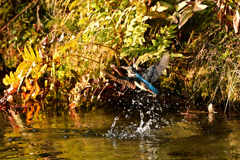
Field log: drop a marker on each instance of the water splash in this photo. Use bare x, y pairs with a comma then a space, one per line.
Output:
110, 133
132, 131
140, 117
144, 128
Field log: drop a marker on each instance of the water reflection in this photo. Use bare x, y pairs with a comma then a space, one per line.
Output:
131, 131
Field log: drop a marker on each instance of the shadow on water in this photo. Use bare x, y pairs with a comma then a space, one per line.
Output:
139, 127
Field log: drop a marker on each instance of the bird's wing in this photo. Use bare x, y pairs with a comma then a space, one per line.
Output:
154, 72
121, 80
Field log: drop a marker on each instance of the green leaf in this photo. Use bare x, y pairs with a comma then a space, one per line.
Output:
143, 58
75, 73
187, 13
177, 55
53, 69
172, 19
155, 43
153, 14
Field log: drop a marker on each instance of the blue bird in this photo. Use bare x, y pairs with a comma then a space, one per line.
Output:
144, 81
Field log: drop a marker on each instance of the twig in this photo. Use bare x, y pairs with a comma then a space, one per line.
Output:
81, 57
106, 47
18, 15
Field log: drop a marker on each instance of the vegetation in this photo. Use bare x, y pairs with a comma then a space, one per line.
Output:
63, 51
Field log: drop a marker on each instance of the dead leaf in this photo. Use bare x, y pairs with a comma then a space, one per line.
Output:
198, 6
236, 22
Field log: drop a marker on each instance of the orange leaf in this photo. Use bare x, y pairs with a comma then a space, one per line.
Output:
24, 110
72, 105
25, 96
38, 109
72, 91
37, 90
30, 114
28, 85
13, 87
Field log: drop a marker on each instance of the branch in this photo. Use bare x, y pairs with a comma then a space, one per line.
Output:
18, 14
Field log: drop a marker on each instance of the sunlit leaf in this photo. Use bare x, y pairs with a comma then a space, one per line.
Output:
161, 8
181, 5
13, 77
28, 84
20, 67
27, 55
42, 70
37, 90
198, 6
39, 59
143, 58
32, 54
61, 37
53, 73
26, 68
56, 55
155, 43
5, 82
23, 55
154, 14
121, 17
172, 19
8, 79
177, 55
158, 7
188, 13
236, 22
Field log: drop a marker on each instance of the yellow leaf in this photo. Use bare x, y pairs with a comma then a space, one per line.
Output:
27, 54
39, 59
26, 68
8, 79
20, 67
5, 82
12, 75
56, 55
24, 57
32, 54
42, 70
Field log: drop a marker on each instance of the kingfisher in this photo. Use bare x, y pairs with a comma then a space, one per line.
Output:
144, 80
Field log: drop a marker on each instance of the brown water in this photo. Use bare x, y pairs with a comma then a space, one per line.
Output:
118, 130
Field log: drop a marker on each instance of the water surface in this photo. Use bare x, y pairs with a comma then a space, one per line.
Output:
147, 128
